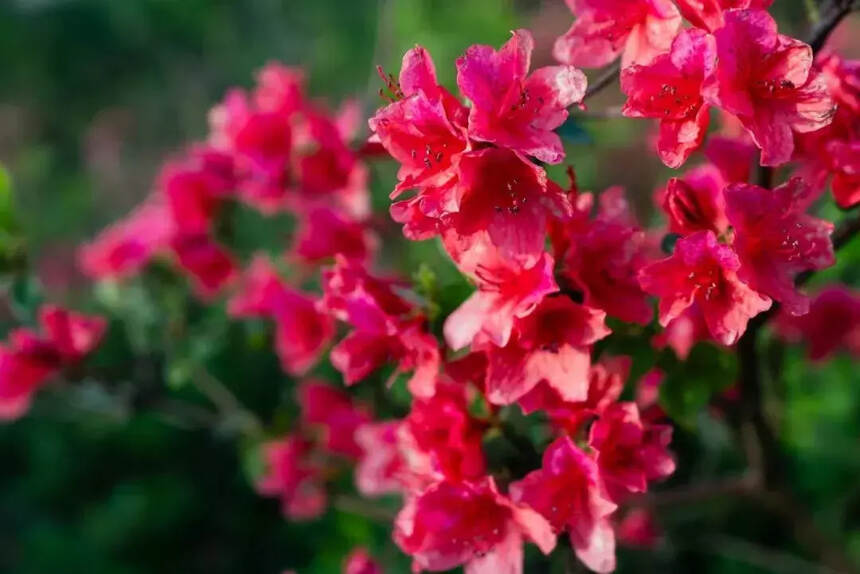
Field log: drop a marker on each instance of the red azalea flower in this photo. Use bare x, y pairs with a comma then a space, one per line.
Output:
425, 129
568, 493
732, 156
605, 384
469, 524
669, 89
694, 201
683, 332
766, 80
845, 165
603, 29
195, 186
208, 264
639, 529
323, 233
334, 411
28, 358
302, 330
705, 272
513, 109
360, 561
381, 468
442, 431
505, 292
509, 199
293, 477
127, 246
833, 323
775, 239
552, 344
630, 452
280, 89
601, 257
709, 14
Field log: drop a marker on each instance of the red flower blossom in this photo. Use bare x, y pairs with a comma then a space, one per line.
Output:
552, 344
732, 156
775, 240
601, 257
442, 430
334, 411
293, 477
630, 452
360, 561
708, 14
424, 130
511, 108
127, 246
29, 358
604, 29
508, 198
845, 164
605, 384
209, 266
683, 332
694, 201
302, 331
470, 524
669, 89
323, 233
195, 186
381, 468
833, 323
505, 292
765, 79
567, 492
705, 272
638, 528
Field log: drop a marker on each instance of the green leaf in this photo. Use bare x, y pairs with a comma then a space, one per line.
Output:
690, 385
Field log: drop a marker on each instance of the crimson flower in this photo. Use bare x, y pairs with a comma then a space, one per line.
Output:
567, 491
293, 477
704, 272
669, 89
470, 524
709, 14
766, 80
511, 108
637, 30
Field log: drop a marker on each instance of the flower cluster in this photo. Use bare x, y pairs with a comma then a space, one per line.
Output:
552, 266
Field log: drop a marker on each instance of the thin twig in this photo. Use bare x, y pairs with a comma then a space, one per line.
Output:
227, 403
603, 80
744, 484
822, 30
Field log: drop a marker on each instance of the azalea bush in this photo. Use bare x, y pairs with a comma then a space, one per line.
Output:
424, 342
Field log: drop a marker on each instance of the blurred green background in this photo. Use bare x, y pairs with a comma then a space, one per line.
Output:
94, 94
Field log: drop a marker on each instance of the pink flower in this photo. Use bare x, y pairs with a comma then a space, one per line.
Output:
764, 79
669, 89
604, 29
425, 129
381, 467
567, 492
469, 524
209, 266
638, 528
323, 232
334, 411
195, 186
508, 198
775, 239
387, 328
630, 452
360, 561
261, 143
605, 384
441, 429
704, 272
280, 89
513, 109
602, 257
708, 14
733, 157
28, 358
694, 201
293, 477
552, 344
127, 246
683, 332
833, 323
845, 162
302, 331
505, 292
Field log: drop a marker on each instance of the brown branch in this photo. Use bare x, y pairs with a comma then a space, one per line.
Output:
603, 80
825, 26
